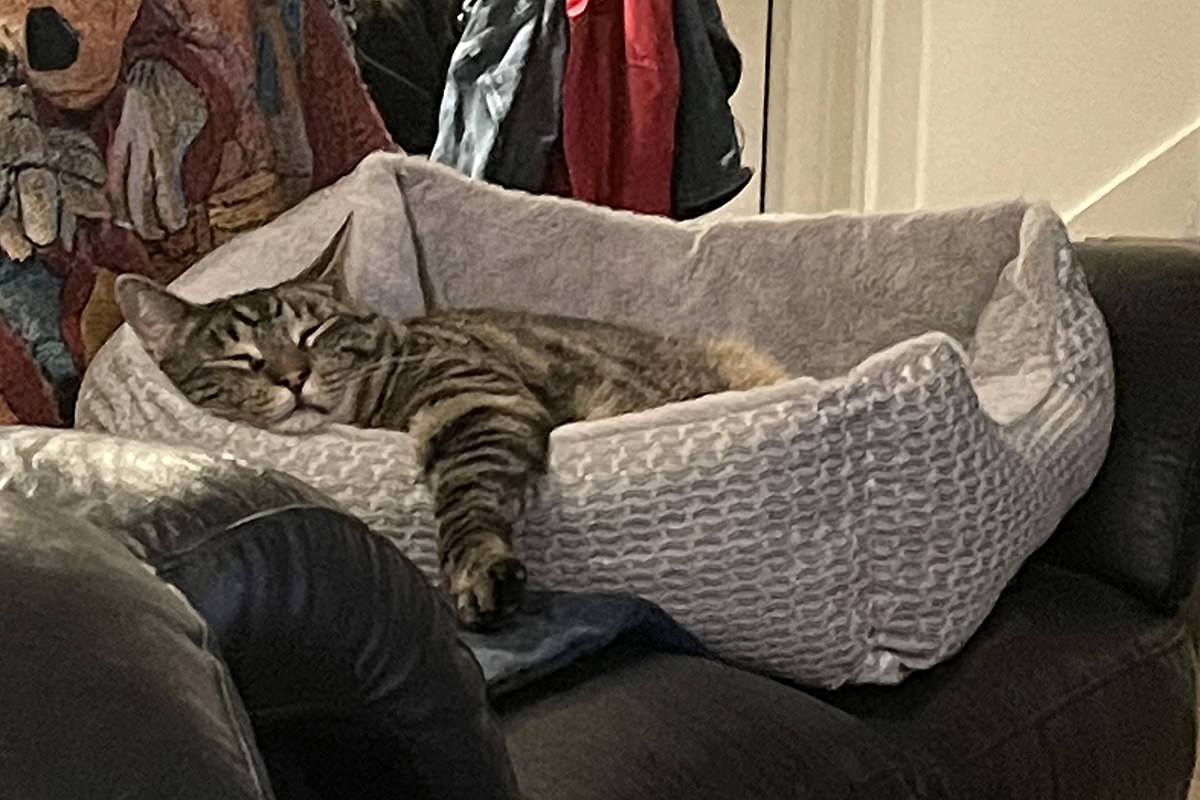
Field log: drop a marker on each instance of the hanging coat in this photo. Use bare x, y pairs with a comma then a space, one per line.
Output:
708, 168
620, 95
530, 133
403, 50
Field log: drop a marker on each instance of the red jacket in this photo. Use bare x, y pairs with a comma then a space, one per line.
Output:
620, 95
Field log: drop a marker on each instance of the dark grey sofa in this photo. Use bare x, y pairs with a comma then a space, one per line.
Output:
318, 667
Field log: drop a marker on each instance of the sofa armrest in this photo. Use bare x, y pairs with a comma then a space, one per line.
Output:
1138, 526
330, 634
347, 661
111, 685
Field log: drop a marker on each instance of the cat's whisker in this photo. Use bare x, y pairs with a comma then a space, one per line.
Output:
389, 361
339, 377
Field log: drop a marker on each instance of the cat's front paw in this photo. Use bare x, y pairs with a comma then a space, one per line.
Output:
485, 585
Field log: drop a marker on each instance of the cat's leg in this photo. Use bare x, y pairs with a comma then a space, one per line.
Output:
482, 451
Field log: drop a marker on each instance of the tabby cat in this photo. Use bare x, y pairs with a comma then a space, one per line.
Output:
479, 391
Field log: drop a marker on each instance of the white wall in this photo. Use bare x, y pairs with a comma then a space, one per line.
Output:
817, 103
1093, 105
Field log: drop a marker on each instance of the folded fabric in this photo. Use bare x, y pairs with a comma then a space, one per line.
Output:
554, 629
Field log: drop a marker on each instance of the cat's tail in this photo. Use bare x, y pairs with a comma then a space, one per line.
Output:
742, 365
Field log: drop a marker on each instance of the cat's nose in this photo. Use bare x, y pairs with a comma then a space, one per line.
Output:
295, 380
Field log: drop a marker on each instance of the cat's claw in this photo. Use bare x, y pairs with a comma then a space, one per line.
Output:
485, 593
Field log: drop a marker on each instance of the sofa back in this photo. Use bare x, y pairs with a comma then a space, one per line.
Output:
1139, 525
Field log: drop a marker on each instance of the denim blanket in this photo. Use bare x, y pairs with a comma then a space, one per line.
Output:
555, 629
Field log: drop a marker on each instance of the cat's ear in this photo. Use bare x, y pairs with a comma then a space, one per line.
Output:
329, 268
156, 315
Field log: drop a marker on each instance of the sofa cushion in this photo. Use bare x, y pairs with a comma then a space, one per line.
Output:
633, 724
1071, 689
1139, 525
111, 687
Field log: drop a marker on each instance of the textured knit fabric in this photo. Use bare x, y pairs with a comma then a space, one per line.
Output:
857, 522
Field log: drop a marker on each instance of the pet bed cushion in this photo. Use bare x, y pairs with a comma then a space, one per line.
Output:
852, 524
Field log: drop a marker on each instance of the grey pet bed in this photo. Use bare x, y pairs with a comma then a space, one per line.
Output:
849, 525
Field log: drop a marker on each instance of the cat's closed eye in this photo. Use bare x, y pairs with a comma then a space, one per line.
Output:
309, 336
246, 361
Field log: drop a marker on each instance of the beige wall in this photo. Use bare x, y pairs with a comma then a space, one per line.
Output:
1093, 105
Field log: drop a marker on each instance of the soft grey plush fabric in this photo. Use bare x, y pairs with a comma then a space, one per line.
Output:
953, 398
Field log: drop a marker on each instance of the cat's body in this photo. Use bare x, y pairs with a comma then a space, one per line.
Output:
478, 390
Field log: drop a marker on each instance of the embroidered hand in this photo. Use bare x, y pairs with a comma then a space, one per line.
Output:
48, 178
163, 114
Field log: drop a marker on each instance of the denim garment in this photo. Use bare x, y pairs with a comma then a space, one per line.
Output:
485, 73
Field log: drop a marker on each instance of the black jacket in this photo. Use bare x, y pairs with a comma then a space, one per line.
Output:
403, 49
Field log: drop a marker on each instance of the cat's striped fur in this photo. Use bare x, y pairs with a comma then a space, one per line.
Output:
479, 391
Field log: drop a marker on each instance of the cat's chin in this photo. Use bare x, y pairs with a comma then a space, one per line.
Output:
303, 420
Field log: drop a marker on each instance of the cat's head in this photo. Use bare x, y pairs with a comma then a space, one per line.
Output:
290, 358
